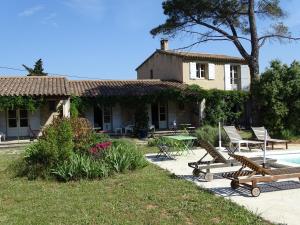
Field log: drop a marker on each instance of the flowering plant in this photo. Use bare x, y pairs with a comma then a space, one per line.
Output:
98, 148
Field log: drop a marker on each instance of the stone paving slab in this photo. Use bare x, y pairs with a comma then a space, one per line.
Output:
278, 202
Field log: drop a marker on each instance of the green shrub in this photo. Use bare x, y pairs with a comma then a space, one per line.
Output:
276, 96
65, 152
226, 106
211, 134
122, 156
59, 138
84, 136
55, 146
80, 167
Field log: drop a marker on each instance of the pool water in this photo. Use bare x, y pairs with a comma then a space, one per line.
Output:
289, 158
294, 160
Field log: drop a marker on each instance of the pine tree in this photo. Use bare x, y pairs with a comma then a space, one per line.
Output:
38, 69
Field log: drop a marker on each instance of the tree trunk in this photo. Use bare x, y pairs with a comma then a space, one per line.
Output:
254, 68
254, 59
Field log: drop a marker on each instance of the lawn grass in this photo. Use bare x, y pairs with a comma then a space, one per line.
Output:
147, 196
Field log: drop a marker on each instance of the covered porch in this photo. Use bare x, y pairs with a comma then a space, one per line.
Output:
28, 104
163, 117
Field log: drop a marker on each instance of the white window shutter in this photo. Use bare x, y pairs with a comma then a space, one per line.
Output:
245, 78
193, 70
227, 77
211, 71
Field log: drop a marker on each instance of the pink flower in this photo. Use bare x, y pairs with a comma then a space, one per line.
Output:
100, 147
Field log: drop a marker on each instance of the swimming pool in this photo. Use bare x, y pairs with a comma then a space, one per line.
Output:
293, 158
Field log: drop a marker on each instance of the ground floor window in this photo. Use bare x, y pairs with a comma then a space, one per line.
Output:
17, 118
12, 118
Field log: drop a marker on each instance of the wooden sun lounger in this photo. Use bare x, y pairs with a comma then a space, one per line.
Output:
235, 138
259, 132
258, 174
218, 161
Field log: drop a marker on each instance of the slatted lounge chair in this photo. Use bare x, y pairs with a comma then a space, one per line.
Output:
236, 139
259, 132
258, 174
218, 161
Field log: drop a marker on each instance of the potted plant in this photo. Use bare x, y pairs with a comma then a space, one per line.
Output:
141, 121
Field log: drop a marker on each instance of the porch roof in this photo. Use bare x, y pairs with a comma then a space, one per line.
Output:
94, 88
34, 86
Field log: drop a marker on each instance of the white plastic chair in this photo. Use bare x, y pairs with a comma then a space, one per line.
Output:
129, 128
2, 135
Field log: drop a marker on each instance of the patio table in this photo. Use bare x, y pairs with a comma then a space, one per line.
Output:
186, 141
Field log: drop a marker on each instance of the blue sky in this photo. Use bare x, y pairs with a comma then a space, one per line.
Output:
103, 39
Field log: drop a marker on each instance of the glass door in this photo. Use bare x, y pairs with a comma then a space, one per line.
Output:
107, 118
17, 123
162, 114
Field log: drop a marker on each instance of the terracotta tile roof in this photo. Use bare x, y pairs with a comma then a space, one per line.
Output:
34, 86
204, 56
60, 86
95, 88
198, 56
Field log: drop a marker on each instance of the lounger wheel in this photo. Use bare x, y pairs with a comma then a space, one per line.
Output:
196, 172
209, 177
234, 185
255, 191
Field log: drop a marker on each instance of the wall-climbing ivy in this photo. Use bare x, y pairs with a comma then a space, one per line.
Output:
227, 106
15, 102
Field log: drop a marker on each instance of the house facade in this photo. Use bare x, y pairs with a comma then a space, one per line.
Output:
161, 113
18, 122
57, 93
209, 71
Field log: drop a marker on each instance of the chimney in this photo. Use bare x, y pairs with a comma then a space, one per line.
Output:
164, 44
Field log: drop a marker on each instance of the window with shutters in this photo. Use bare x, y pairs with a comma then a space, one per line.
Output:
200, 70
234, 78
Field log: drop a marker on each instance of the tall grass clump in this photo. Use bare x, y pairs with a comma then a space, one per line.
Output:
211, 134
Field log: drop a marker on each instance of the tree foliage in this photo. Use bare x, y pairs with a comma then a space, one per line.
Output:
38, 69
20, 102
227, 20
277, 98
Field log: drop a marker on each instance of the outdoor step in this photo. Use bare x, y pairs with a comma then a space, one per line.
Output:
14, 144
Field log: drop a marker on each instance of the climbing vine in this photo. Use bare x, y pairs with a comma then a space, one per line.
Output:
227, 106
14, 102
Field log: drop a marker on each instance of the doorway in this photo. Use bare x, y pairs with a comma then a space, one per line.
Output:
17, 123
154, 115
159, 115
102, 118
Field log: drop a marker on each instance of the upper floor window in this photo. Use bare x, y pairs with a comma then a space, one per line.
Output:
200, 70
234, 78
151, 74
